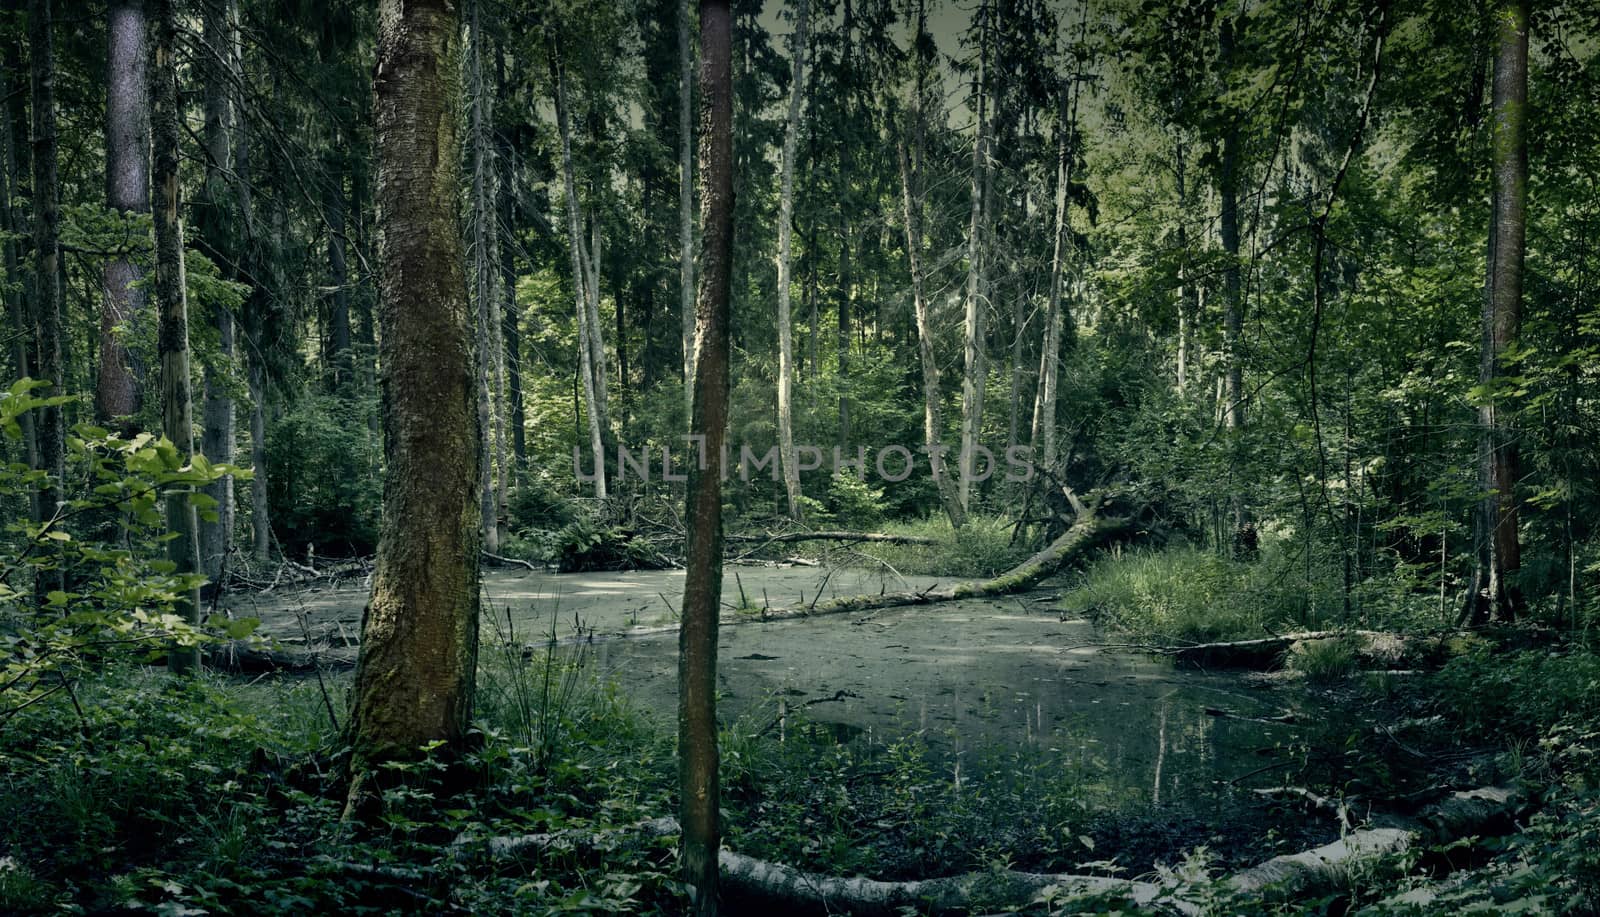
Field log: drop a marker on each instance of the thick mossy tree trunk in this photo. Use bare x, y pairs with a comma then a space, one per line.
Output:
46, 317
118, 388
699, 790
419, 642
791, 134
172, 336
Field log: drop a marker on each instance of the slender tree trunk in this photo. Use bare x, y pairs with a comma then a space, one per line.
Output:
1186, 288
339, 362
699, 789
791, 134
975, 371
932, 421
217, 409
586, 368
511, 314
1233, 412
483, 289
46, 318
846, 296
1044, 418
177, 413
256, 308
1504, 315
419, 641
686, 199
118, 390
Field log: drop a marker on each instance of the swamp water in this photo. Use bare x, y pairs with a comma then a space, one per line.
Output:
985, 683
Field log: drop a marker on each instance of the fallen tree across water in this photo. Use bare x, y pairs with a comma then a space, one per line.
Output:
791, 537
781, 889
1380, 648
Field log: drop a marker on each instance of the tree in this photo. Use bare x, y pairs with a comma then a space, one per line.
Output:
1502, 317
488, 326
791, 133
117, 391
909, 149
698, 787
172, 342
46, 313
217, 409
686, 200
975, 370
1233, 412
419, 643
591, 359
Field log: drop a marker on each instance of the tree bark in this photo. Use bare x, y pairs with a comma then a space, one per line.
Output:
911, 201
1233, 411
975, 371
46, 317
699, 788
419, 644
791, 134
1187, 300
13, 134
1504, 318
217, 408
511, 314
686, 290
118, 393
177, 412
483, 288
1044, 419
580, 285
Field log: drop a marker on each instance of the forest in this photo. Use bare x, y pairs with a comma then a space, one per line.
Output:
872, 457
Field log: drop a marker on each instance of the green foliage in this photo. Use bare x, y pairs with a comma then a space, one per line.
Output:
1186, 594
324, 492
1323, 660
981, 548
100, 587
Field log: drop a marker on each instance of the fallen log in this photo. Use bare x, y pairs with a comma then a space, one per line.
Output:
792, 537
1087, 532
243, 658
1373, 647
776, 888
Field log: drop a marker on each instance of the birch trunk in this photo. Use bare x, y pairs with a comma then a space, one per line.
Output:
975, 372
791, 473
1044, 415
586, 369
1233, 413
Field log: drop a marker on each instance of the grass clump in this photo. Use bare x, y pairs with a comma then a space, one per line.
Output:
979, 549
1325, 660
1190, 595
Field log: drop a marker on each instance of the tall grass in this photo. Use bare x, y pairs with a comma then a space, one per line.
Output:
1188, 594
979, 549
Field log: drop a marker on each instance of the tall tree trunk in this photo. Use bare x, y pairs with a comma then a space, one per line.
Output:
975, 371
791, 134
1044, 416
1186, 288
686, 199
846, 296
13, 134
419, 638
217, 410
586, 368
932, 420
46, 317
1233, 412
177, 413
511, 314
1503, 318
340, 364
699, 790
118, 389
483, 289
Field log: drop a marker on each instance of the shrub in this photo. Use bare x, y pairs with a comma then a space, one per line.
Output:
323, 487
